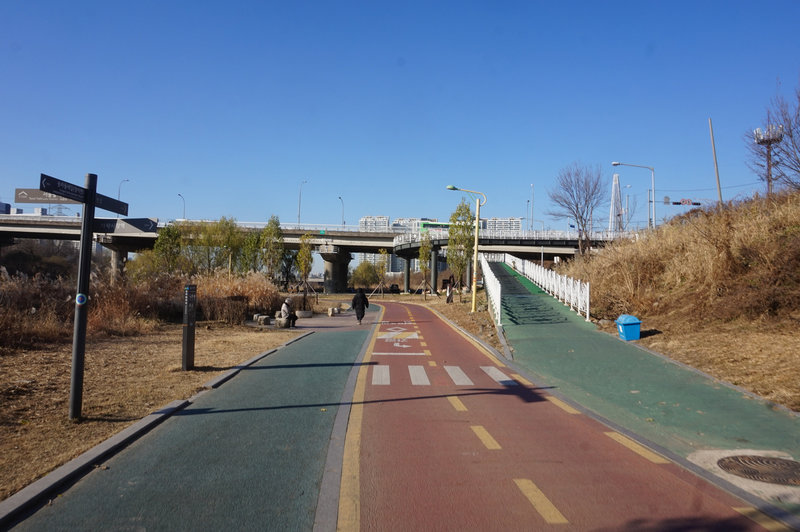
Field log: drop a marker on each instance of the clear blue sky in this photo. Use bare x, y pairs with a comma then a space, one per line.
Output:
233, 104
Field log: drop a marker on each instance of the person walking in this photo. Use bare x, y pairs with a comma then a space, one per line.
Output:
360, 304
287, 313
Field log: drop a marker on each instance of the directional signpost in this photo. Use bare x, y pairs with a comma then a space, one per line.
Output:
90, 199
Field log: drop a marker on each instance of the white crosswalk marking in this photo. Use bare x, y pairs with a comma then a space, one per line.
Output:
380, 375
459, 377
418, 376
499, 376
400, 353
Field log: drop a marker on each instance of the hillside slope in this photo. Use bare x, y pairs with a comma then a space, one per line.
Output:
718, 289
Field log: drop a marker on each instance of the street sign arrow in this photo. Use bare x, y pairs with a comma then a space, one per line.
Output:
68, 190
62, 188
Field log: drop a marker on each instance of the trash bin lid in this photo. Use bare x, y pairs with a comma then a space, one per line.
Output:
627, 319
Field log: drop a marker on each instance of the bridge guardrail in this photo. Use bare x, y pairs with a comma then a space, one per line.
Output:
569, 291
439, 234
493, 290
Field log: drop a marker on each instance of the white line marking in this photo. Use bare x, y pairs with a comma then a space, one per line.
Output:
418, 376
380, 375
459, 377
499, 376
399, 335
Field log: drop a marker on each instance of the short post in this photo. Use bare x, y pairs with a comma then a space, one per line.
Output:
189, 312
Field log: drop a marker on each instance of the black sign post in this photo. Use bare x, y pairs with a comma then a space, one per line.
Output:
89, 198
189, 312
81, 299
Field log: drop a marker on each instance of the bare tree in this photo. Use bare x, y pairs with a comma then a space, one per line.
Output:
578, 192
780, 161
787, 152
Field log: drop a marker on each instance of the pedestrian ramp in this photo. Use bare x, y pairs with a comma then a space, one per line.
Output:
420, 375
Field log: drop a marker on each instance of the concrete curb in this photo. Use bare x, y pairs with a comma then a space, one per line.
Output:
32, 496
47, 486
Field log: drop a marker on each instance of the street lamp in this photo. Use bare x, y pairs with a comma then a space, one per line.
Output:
651, 219
478, 204
184, 206
119, 190
299, 198
340, 199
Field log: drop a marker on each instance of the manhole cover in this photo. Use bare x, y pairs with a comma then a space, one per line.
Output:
763, 468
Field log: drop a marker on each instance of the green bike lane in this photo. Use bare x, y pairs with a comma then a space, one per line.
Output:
679, 411
249, 455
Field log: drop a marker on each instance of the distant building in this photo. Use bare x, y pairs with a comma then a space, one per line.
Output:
374, 223
502, 224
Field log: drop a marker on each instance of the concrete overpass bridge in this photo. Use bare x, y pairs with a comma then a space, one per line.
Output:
334, 243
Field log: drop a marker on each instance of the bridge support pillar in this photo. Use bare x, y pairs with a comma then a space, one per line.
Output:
434, 270
407, 276
118, 258
335, 276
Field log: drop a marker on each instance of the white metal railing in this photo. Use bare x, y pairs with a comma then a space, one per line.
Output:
569, 291
439, 234
493, 290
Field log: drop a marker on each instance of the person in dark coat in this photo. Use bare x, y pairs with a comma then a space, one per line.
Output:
360, 304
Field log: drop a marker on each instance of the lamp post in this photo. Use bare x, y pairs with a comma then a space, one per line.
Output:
340, 199
541, 250
478, 204
184, 206
119, 190
651, 215
299, 198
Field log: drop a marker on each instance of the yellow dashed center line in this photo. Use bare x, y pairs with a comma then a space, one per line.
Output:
520, 379
637, 448
562, 405
486, 438
457, 404
540, 502
762, 519
432, 363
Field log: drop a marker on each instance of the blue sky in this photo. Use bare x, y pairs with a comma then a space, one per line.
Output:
234, 104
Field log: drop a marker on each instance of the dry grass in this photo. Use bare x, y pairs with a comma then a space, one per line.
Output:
125, 379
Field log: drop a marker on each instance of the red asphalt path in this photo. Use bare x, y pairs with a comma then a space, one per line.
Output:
498, 455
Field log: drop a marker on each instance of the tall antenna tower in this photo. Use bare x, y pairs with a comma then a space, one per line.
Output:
616, 220
773, 135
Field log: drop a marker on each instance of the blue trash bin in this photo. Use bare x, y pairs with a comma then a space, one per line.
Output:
628, 327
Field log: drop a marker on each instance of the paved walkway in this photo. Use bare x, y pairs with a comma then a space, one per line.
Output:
265, 446
249, 455
687, 414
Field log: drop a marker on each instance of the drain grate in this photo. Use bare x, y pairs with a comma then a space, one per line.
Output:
763, 468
